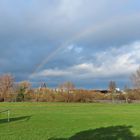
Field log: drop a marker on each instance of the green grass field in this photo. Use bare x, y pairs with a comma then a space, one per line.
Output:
74, 121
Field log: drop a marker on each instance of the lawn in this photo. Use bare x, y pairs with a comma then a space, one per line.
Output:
73, 121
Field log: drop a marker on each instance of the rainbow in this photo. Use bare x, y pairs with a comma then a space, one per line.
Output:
82, 34
57, 49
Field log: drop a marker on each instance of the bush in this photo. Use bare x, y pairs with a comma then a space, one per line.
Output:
20, 97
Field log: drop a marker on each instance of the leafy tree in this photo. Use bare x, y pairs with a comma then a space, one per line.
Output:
23, 87
20, 95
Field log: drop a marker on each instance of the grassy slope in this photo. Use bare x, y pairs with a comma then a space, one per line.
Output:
42, 121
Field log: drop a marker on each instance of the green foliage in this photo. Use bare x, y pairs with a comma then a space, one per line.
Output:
20, 95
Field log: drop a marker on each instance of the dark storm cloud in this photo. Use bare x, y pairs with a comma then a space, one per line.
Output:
30, 30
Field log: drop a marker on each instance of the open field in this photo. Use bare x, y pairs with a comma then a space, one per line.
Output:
74, 121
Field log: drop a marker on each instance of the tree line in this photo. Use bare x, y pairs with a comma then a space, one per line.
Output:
10, 91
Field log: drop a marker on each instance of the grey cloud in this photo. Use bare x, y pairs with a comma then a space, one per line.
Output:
31, 30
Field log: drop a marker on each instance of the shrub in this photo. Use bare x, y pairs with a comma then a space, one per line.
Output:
20, 97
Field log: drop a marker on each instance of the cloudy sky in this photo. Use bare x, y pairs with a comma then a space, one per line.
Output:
88, 42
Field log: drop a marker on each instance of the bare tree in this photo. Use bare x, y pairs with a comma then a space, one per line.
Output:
67, 87
25, 85
112, 88
6, 85
135, 78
